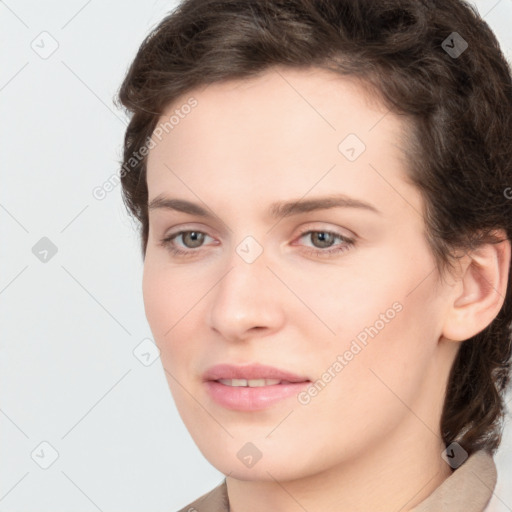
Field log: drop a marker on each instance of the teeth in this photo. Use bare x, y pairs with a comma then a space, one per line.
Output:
252, 383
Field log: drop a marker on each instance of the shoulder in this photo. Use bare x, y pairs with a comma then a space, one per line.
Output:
215, 500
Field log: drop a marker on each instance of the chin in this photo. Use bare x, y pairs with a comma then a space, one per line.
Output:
267, 469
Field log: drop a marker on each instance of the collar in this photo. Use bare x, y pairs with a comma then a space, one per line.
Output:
468, 489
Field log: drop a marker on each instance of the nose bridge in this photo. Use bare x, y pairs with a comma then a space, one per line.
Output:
248, 264
243, 298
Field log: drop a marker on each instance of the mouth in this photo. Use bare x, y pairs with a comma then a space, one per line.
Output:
251, 388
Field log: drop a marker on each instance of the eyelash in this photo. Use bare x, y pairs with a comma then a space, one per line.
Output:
167, 243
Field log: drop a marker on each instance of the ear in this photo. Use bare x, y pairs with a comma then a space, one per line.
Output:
479, 292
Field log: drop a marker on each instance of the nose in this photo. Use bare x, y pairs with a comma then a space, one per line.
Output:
247, 301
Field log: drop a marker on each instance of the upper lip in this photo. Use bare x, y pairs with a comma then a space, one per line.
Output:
250, 371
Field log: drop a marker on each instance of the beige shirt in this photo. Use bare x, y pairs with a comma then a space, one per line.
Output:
468, 489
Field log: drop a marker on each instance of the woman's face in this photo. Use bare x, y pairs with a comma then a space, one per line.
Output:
345, 297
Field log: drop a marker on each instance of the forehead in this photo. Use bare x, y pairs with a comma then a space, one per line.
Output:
313, 100
276, 134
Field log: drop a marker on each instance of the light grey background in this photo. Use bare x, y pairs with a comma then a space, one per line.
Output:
70, 325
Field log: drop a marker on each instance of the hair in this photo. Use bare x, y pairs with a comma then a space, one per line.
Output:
459, 149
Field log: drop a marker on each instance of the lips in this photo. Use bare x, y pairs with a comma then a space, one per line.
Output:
251, 372
253, 387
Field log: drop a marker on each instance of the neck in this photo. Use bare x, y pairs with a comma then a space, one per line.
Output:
398, 476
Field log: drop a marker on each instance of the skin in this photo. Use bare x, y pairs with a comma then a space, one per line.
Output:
370, 440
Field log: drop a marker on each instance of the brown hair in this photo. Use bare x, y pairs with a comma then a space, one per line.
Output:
459, 148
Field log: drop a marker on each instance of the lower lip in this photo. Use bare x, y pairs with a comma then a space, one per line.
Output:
244, 398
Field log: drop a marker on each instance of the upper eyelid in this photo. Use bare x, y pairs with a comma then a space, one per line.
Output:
303, 230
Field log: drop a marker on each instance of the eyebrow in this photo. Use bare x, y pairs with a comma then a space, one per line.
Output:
276, 210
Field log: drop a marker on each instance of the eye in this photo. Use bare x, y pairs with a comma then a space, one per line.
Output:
192, 238
325, 240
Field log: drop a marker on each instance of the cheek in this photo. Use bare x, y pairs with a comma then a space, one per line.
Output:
384, 316
173, 303
163, 304
169, 296
361, 296
365, 389
157, 299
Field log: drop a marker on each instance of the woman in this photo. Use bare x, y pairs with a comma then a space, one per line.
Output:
323, 190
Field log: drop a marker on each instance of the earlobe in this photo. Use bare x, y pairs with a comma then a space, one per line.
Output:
481, 290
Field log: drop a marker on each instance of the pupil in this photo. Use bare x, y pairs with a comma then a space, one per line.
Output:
196, 237
324, 237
